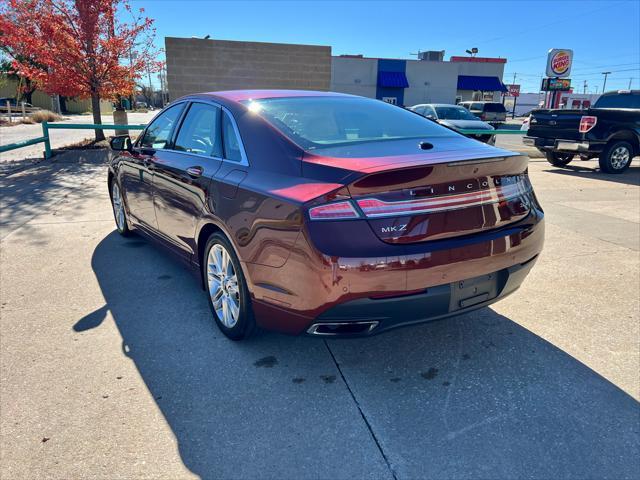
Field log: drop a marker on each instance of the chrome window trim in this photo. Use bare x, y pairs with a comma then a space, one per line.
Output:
243, 154
244, 160
208, 157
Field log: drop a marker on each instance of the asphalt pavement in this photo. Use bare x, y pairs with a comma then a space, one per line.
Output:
111, 367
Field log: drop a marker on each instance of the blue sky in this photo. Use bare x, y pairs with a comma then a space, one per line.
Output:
605, 35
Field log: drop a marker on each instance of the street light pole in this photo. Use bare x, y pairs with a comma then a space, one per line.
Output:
604, 85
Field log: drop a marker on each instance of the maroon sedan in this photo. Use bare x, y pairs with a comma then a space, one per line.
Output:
326, 213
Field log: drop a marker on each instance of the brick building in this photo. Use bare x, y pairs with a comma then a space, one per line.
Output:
202, 65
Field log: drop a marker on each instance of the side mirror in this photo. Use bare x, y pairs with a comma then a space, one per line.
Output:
121, 143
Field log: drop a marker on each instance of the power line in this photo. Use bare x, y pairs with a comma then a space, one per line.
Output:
606, 66
538, 28
612, 71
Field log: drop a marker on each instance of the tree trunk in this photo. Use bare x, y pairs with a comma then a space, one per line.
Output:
95, 108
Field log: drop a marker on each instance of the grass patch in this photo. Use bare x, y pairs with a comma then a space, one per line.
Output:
44, 116
86, 144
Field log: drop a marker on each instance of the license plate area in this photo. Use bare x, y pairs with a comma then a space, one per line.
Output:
473, 291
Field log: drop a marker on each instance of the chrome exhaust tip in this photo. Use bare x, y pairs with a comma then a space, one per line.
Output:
330, 329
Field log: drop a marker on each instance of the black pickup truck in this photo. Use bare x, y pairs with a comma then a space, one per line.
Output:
610, 130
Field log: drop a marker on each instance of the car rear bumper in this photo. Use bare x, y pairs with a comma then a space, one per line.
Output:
367, 316
392, 285
560, 145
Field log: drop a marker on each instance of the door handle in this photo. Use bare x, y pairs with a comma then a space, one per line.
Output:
195, 171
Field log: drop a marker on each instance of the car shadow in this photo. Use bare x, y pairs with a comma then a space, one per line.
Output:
475, 396
29, 189
630, 177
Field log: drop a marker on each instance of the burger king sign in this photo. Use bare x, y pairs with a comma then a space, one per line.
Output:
559, 62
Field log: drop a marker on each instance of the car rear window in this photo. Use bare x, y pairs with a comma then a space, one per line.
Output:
494, 107
623, 100
317, 122
454, 113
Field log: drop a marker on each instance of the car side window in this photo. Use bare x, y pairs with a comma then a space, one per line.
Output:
230, 139
618, 101
158, 133
419, 110
200, 131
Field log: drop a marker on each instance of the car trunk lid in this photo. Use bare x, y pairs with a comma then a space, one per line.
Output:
443, 192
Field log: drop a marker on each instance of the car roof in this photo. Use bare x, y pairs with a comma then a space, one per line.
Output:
242, 95
621, 92
441, 104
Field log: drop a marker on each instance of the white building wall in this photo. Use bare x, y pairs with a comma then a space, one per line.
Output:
430, 82
357, 76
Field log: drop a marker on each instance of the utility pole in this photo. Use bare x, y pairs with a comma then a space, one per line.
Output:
604, 85
630, 80
515, 99
584, 87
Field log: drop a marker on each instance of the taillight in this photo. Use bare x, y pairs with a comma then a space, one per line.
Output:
374, 207
334, 211
587, 122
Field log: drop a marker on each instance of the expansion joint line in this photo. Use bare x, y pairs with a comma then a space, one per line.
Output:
364, 418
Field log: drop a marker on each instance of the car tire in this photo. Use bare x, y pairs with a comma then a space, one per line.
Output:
226, 288
559, 159
616, 157
119, 211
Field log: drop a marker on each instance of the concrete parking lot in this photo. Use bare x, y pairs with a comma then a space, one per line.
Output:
58, 138
111, 367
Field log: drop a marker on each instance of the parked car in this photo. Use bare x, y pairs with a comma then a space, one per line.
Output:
610, 131
15, 105
492, 112
325, 213
457, 118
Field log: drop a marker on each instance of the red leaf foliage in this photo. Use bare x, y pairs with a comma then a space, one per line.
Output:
77, 48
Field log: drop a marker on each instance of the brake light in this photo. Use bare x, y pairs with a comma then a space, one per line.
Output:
587, 122
334, 211
374, 207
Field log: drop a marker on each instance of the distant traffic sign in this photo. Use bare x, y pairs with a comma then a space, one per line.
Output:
513, 90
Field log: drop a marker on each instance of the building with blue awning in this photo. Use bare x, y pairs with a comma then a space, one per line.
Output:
428, 80
202, 65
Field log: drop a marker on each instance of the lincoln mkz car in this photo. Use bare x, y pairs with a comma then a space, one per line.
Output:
324, 213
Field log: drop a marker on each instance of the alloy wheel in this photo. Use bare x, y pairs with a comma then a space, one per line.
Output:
620, 157
223, 285
118, 206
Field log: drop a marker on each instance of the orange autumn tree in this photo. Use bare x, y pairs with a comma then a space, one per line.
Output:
79, 48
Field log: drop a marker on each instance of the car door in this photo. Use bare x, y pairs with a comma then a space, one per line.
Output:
138, 168
183, 174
